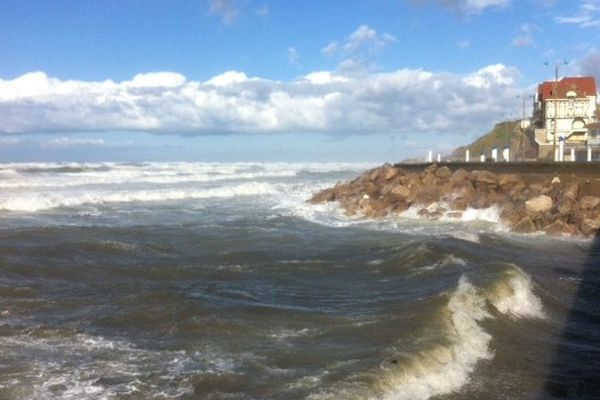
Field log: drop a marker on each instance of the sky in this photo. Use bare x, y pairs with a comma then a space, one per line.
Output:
276, 80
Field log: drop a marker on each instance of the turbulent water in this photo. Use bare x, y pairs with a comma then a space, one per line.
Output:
218, 281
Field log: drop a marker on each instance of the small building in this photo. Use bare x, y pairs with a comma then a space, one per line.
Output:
594, 134
564, 109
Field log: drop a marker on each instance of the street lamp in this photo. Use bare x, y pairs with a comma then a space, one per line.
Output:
555, 90
524, 124
508, 124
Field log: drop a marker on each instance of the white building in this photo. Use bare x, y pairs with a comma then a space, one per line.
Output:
571, 103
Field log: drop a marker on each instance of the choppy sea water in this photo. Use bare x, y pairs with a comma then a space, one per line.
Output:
218, 281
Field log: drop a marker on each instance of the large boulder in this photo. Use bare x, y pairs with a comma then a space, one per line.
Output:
525, 225
443, 173
400, 191
560, 228
391, 173
571, 191
589, 202
324, 196
512, 214
565, 207
426, 195
485, 180
510, 183
590, 225
460, 175
539, 204
372, 189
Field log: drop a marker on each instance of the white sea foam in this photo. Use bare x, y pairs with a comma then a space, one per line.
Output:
36, 187
449, 260
447, 367
282, 335
39, 201
73, 366
514, 296
126, 177
56, 175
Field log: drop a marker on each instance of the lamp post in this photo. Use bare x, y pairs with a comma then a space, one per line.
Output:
524, 124
505, 152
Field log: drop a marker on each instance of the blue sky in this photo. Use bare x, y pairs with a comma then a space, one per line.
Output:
376, 80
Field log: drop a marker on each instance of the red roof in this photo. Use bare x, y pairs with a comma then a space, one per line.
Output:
582, 86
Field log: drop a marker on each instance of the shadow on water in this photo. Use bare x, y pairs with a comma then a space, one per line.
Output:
575, 370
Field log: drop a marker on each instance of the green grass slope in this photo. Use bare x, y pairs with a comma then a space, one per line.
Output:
507, 132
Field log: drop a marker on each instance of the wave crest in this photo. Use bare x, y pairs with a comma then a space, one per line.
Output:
33, 202
446, 366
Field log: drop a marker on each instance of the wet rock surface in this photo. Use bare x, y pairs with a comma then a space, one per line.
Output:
527, 202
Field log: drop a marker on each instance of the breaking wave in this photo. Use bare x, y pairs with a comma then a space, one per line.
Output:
32, 202
92, 367
446, 366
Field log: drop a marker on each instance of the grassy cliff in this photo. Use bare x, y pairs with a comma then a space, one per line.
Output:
507, 132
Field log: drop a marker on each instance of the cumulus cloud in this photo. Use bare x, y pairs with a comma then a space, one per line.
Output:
402, 101
588, 15
357, 51
363, 38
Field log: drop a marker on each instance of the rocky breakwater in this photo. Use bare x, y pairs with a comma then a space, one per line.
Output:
526, 202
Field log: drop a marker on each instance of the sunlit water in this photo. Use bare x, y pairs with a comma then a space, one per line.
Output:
219, 281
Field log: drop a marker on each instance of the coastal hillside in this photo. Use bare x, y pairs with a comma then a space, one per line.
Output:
506, 132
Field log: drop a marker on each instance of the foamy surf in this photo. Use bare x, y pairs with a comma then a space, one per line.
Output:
447, 367
50, 200
92, 367
370, 309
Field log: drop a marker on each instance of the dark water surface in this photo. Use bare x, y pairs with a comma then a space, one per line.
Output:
217, 281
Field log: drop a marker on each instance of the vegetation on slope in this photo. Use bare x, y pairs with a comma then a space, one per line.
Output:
507, 132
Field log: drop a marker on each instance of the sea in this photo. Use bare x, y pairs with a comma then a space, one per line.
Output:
196, 280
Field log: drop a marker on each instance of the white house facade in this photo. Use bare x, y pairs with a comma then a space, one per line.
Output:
564, 109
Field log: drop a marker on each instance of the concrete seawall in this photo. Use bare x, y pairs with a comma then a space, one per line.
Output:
591, 169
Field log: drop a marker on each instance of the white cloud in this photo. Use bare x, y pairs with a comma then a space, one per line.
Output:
158, 79
590, 65
10, 141
525, 38
227, 10
474, 6
357, 52
228, 78
463, 44
522, 41
587, 16
324, 77
364, 36
402, 101
262, 10
330, 49
66, 141
293, 56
